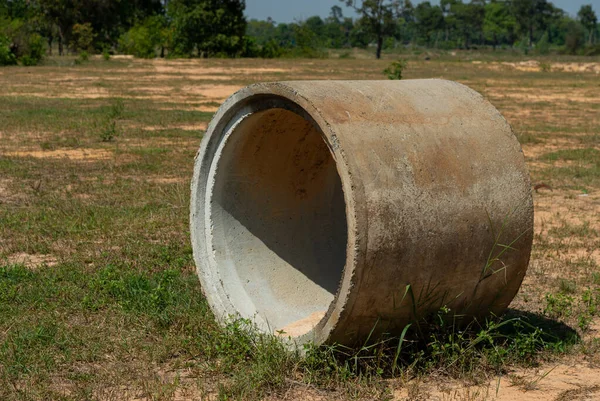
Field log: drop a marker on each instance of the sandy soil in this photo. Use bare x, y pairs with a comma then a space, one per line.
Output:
71, 154
534, 66
200, 126
32, 261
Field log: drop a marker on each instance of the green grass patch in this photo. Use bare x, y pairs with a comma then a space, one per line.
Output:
586, 155
566, 230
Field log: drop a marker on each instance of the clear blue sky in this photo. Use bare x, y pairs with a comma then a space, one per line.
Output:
290, 10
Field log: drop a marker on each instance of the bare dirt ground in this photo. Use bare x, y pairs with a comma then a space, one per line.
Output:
554, 107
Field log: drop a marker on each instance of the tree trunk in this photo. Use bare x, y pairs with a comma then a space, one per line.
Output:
60, 42
530, 35
379, 46
50, 38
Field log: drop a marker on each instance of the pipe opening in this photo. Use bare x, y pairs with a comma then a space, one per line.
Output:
278, 221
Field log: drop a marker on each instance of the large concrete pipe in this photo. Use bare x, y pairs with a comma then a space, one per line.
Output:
324, 209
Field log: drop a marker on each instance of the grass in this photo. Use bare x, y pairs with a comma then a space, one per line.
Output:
64, 318
105, 304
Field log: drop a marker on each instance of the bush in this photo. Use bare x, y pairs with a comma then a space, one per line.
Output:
308, 44
271, 49
34, 50
574, 38
18, 42
593, 51
523, 46
543, 46
545, 67
394, 71
83, 37
249, 47
143, 39
6, 55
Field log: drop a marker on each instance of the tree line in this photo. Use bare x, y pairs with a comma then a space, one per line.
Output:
145, 28
453, 24
29, 29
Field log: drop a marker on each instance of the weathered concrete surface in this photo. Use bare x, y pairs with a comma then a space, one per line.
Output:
326, 208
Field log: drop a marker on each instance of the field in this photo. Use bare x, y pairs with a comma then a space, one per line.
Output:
98, 294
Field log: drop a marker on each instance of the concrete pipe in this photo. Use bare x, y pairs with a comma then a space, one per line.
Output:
323, 210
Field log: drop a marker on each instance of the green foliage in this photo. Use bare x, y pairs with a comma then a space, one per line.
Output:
83, 37
271, 50
543, 45
593, 51
566, 304
108, 19
430, 21
499, 23
106, 55
308, 43
207, 28
440, 344
144, 39
574, 37
395, 70
34, 52
545, 67
523, 46
378, 18
589, 20
22, 40
6, 55
262, 31
109, 130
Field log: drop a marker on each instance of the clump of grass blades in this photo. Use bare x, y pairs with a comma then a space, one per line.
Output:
439, 344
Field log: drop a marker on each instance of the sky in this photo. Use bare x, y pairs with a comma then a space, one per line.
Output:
290, 10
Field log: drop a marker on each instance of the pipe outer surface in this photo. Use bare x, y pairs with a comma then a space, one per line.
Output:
327, 210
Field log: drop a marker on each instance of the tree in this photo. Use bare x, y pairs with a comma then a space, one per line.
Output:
63, 15
261, 31
476, 18
208, 27
407, 21
316, 25
336, 14
531, 15
143, 39
430, 19
449, 18
468, 20
83, 35
378, 17
588, 19
336, 30
574, 37
499, 23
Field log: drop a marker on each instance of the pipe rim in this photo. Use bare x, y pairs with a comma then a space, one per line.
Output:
247, 101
